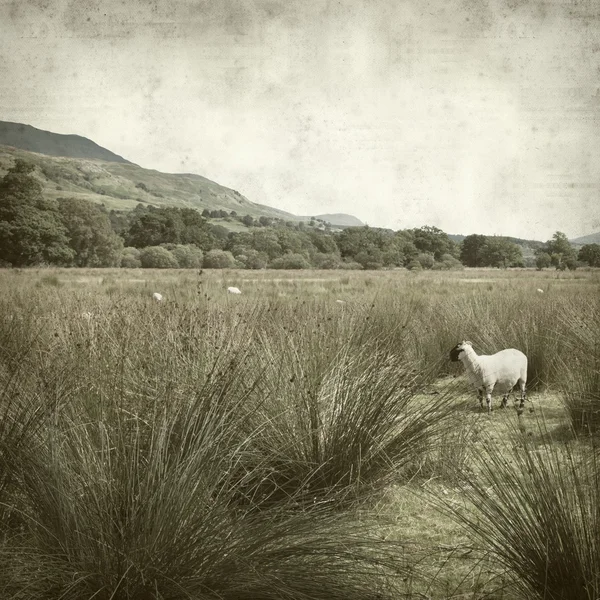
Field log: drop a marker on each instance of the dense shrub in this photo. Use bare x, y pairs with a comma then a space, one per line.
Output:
187, 256
290, 261
130, 258
426, 260
157, 257
218, 259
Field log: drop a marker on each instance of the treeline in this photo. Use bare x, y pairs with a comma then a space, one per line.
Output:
35, 230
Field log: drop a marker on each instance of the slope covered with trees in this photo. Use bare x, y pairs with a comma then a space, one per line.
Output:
72, 231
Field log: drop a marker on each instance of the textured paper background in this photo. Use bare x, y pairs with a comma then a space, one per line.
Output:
471, 115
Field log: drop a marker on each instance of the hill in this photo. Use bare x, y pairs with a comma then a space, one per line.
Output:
122, 185
339, 220
26, 137
592, 238
71, 165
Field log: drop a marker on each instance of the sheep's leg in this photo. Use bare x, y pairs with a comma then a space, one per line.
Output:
488, 399
480, 396
523, 393
504, 400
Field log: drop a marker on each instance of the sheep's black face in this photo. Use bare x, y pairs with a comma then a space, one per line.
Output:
455, 352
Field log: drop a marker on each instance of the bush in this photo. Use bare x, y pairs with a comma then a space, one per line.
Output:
188, 256
290, 261
327, 261
157, 257
414, 265
252, 259
447, 263
130, 258
426, 260
351, 265
219, 259
543, 261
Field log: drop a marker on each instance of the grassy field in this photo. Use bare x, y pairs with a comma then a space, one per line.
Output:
308, 438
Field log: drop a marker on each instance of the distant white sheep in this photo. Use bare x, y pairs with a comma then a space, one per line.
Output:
500, 371
233, 290
341, 301
540, 291
158, 297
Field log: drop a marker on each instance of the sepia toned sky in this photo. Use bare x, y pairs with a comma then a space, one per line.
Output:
476, 116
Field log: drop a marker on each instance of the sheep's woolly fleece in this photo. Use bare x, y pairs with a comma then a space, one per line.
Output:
486, 373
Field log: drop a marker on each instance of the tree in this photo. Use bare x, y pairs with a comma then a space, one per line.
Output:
448, 263
435, 241
155, 227
502, 253
266, 240
251, 259
426, 260
560, 250
329, 260
90, 233
542, 261
590, 253
187, 256
130, 258
31, 231
157, 257
471, 250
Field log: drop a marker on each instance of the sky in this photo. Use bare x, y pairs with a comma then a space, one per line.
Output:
475, 116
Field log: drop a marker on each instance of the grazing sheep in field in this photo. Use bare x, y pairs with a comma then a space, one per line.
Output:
540, 290
233, 290
500, 371
158, 297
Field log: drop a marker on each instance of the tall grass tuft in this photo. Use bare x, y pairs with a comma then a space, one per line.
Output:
580, 367
337, 425
536, 508
128, 507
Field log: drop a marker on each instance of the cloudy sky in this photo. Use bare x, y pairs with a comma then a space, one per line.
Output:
470, 115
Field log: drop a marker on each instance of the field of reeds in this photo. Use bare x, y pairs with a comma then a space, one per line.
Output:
307, 439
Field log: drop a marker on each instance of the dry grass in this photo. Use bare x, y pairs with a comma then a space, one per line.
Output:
315, 448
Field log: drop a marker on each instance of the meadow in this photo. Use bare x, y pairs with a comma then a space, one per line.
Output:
307, 439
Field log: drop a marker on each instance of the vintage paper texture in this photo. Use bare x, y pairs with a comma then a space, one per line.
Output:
476, 116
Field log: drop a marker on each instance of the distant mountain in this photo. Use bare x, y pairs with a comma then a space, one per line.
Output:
518, 241
456, 238
338, 220
71, 165
26, 137
592, 238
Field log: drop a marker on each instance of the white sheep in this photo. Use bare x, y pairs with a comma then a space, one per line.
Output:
158, 297
233, 290
540, 290
500, 371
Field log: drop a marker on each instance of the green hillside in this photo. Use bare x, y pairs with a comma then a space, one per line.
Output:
76, 166
26, 137
123, 185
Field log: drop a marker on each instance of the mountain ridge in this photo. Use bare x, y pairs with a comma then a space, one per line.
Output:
32, 139
76, 166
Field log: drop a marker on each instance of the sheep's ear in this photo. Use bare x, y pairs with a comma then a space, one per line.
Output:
468, 343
